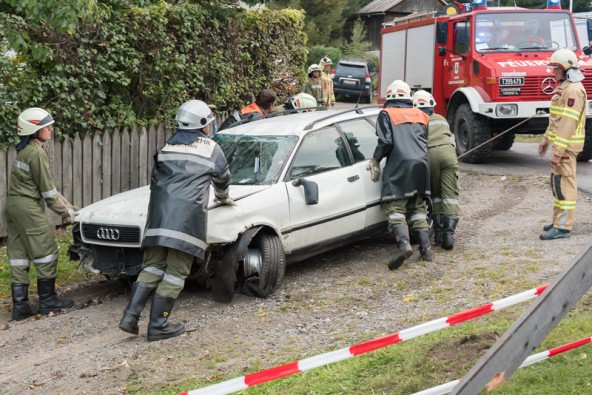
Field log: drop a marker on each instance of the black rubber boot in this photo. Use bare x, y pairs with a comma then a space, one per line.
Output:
425, 246
438, 228
448, 236
404, 250
131, 315
48, 300
159, 327
21, 308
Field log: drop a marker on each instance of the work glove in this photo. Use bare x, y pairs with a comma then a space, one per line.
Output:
70, 216
228, 201
374, 170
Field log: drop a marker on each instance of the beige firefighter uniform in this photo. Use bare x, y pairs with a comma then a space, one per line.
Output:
327, 84
566, 133
30, 236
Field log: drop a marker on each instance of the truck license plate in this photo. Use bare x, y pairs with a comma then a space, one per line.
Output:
511, 81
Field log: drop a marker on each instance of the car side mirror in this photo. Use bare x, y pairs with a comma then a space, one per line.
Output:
311, 190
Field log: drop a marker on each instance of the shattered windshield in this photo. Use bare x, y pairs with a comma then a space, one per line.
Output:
255, 160
524, 31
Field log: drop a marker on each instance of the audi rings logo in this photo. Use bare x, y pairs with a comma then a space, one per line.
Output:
108, 234
549, 85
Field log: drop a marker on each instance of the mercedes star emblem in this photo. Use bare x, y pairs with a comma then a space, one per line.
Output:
549, 85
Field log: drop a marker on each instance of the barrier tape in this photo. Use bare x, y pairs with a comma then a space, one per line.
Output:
448, 387
249, 380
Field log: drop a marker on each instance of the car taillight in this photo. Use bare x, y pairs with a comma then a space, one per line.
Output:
334, 70
368, 80
367, 75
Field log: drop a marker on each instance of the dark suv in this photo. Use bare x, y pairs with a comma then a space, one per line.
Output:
355, 77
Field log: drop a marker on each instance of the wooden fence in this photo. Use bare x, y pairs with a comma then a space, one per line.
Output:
86, 170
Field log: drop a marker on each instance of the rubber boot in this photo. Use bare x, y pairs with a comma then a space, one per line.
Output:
448, 236
404, 250
425, 246
159, 327
48, 300
438, 228
131, 315
21, 308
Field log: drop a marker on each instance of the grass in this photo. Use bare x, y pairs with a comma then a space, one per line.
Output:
528, 138
68, 272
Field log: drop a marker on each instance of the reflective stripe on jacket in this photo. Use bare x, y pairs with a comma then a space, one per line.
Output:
567, 118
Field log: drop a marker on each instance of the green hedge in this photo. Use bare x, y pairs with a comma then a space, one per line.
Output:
137, 65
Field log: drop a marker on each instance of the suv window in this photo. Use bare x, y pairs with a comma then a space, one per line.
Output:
361, 138
351, 68
320, 151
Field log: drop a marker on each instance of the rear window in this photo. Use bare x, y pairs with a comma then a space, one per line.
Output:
350, 68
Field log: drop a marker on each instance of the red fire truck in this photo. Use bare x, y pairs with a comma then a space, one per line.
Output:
487, 68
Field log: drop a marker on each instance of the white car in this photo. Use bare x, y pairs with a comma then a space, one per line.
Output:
301, 188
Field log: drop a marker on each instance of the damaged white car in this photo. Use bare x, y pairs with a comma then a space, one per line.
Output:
301, 188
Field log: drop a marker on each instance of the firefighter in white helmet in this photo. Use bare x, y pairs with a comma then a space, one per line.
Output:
327, 82
314, 84
30, 236
565, 134
183, 171
402, 139
302, 102
443, 171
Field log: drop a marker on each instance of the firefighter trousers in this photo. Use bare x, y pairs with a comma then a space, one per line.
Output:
166, 270
30, 238
444, 180
398, 211
564, 187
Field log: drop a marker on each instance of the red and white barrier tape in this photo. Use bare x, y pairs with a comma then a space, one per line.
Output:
448, 387
249, 380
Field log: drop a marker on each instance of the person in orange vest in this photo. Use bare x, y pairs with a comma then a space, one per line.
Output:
263, 105
402, 132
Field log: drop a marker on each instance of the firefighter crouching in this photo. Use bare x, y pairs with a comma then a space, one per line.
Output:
402, 138
264, 102
30, 236
443, 171
175, 231
565, 134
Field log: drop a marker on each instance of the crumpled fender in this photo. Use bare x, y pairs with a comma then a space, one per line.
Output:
223, 274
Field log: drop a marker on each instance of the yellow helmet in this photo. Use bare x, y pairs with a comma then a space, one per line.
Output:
33, 119
398, 90
423, 99
564, 58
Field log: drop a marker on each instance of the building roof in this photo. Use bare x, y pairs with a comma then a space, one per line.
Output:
382, 6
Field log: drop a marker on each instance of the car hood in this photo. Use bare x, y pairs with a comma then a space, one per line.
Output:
131, 206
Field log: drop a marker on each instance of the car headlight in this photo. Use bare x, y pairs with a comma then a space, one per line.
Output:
506, 110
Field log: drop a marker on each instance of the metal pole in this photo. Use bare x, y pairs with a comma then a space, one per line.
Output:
570, 5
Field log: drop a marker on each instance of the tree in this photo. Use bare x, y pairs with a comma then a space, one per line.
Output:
358, 46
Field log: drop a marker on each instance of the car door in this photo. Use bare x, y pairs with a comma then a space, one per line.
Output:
324, 159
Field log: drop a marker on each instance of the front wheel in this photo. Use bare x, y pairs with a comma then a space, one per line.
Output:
471, 130
264, 266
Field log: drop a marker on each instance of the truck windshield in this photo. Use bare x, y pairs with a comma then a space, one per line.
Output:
524, 31
255, 160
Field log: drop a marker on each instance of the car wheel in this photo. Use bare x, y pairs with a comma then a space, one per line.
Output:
264, 266
370, 96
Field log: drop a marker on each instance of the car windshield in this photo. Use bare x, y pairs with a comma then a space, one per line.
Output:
255, 160
521, 31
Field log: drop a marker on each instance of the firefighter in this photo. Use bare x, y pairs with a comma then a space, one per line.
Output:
302, 101
264, 102
443, 172
328, 94
30, 236
314, 84
565, 134
175, 230
402, 138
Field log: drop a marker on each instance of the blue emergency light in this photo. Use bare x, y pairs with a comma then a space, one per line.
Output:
553, 4
479, 5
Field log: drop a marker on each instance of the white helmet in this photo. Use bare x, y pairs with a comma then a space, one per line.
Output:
325, 61
313, 67
398, 90
303, 100
194, 114
423, 99
33, 119
564, 58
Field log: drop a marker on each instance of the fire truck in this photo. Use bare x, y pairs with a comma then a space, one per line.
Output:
487, 68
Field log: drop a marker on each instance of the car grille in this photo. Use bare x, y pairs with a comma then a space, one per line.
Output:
588, 81
531, 90
111, 234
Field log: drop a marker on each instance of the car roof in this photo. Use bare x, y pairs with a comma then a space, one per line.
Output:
298, 124
356, 62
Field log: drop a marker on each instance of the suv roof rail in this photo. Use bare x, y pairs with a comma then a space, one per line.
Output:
358, 110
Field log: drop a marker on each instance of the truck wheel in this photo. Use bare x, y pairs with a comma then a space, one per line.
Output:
586, 153
504, 142
471, 130
264, 266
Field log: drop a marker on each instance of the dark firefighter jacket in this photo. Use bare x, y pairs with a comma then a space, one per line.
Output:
179, 193
402, 139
